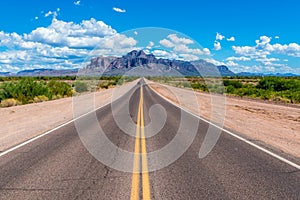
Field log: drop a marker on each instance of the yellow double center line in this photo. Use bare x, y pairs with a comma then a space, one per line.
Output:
140, 141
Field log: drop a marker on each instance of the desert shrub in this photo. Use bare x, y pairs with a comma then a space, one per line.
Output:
233, 83
54, 97
120, 82
80, 86
103, 85
40, 98
230, 89
215, 88
278, 84
9, 102
29, 90
198, 86
59, 88
24, 90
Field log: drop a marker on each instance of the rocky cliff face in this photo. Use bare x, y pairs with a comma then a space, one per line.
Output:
133, 59
100, 62
138, 59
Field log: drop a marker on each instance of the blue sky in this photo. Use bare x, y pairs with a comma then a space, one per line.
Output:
253, 36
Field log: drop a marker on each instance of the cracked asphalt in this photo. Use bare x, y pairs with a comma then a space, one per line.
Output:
58, 166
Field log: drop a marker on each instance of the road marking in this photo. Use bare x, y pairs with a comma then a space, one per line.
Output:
136, 162
232, 134
145, 173
50, 131
140, 138
54, 129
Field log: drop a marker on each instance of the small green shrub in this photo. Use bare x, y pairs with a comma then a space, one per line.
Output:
233, 83
80, 87
59, 88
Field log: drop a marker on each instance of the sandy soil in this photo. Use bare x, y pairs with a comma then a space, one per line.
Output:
275, 126
21, 123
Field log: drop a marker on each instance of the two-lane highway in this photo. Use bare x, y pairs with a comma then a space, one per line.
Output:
58, 166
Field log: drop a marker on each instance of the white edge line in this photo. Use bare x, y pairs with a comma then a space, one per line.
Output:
232, 134
50, 131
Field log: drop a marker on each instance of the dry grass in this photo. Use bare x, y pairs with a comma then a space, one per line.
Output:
9, 103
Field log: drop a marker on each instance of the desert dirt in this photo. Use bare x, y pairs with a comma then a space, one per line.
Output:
274, 126
21, 123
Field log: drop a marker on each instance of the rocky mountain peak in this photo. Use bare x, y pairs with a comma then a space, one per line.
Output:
139, 59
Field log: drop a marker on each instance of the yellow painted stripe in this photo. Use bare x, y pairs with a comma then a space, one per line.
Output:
136, 162
140, 137
145, 174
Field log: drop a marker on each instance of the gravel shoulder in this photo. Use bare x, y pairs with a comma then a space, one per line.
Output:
274, 126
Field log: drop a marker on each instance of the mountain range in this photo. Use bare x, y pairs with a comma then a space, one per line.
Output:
142, 64
138, 63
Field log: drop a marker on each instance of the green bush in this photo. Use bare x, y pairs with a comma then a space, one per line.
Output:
233, 83
29, 90
278, 84
59, 88
198, 86
230, 89
80, 87
24, 90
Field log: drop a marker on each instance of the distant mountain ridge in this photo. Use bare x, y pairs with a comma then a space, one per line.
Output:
267, 74
42, 72
147, 64
48, 72
138, 63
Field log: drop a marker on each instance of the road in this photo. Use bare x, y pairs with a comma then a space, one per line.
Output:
59, 166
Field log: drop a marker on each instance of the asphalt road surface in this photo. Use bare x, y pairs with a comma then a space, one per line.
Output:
58, 166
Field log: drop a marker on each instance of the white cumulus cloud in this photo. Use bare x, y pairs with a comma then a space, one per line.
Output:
263, 48
219, 36
231, 39
231, 64
166, 43
164, 54
181, 46
150, 45
177, 40
77, 3
60, 33
238, 58
54, 14
217, 46
119, 10
59, 42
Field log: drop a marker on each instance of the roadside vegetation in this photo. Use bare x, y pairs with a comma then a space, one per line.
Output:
24, 90
278, 89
